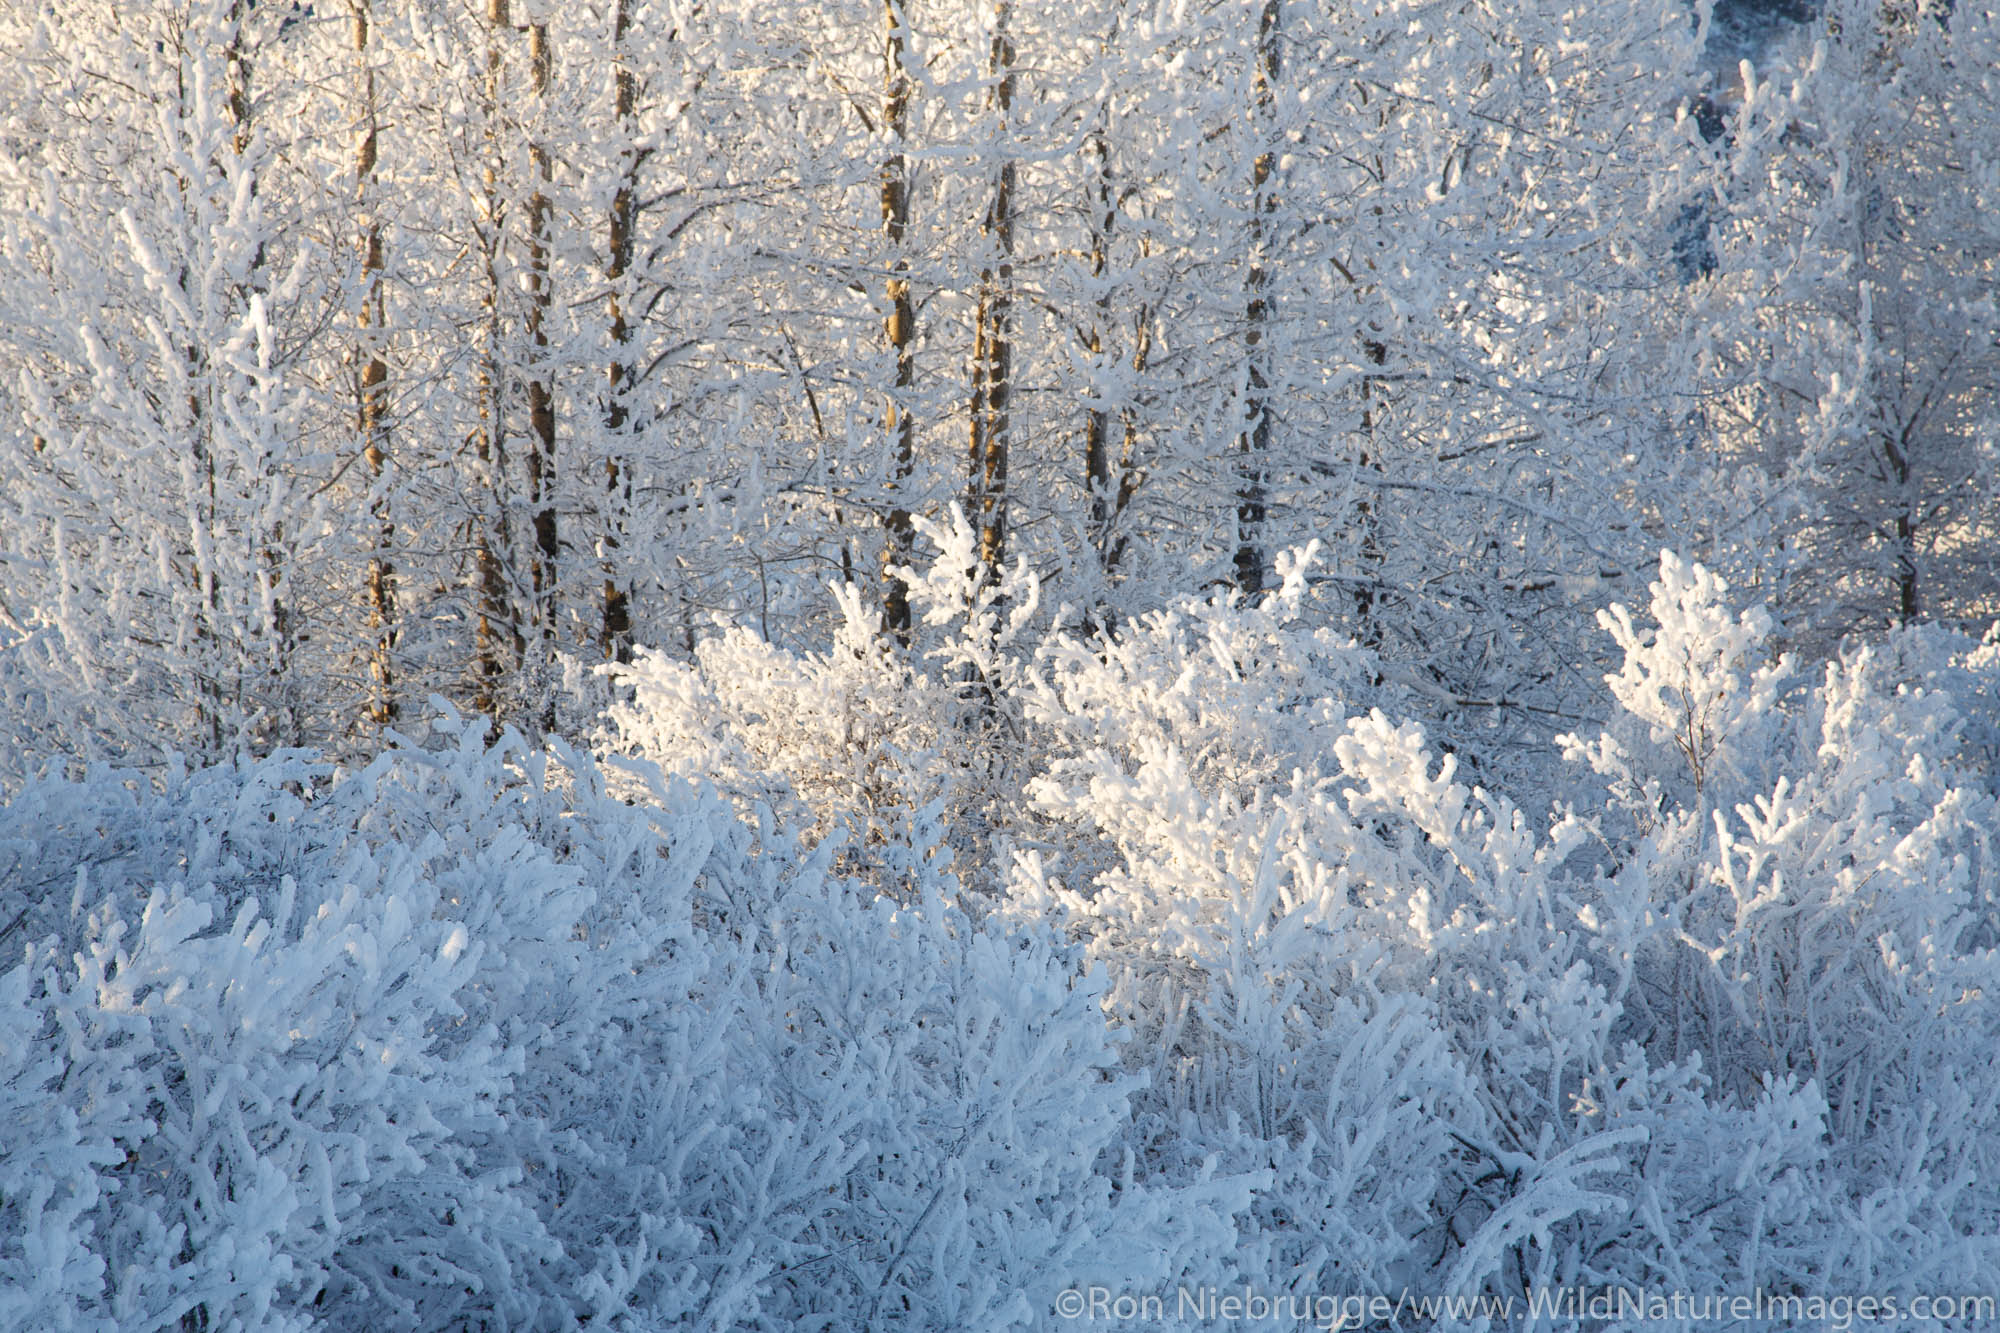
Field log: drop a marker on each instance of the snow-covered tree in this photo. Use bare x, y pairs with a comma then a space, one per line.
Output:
161, 534
1847, 358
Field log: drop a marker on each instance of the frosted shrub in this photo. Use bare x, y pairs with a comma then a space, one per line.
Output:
464, 1039
1354, 978
1811, 918
834, 731
859, 739
267, 1098
1244, 690
480, 1033
363, 1050
992, 1124
1700, 1025
1697, 697
854, 740
1262, 1045
965, 1061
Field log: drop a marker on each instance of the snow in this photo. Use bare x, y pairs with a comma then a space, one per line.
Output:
523, 805
1264, 995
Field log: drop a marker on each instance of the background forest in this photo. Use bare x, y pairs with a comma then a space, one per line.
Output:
692, 663
356, 357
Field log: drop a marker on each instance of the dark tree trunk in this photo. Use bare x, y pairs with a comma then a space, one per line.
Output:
1254, 443
992, 351
614, 640
372, 395
902, 322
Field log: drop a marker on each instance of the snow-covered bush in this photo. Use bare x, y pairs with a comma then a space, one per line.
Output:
857, 739
994, 1125
462, 1038
915, 768
422, 1045
480, 1033
1245, 690
1339, 966
1697, 1024
245, 1086
854, 738
1808, 920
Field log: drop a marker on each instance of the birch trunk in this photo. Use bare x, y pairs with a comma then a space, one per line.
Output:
1254, 444
372, 393
992, 350
902, 322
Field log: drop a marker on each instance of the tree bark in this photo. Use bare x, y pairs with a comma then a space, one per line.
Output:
497, 643
545, 576
614, 639
372, 394
1111, 486
1254, 443
901, 327
992, 349
1896, 449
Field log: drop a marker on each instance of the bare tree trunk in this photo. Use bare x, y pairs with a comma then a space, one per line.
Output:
1896, 452
614, 639
201, 499
1097, 423
902, 322
497, 637
1110, 495
237, 61
992, 349
372, 396
1254, 444
1369, 454
221, 665
276, 691
1130, 474
545, 576
1377, 353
